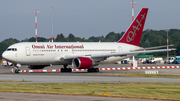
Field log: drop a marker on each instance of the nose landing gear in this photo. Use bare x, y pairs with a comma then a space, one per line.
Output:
17, 68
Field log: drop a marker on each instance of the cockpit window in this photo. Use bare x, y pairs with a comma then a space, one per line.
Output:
11, 49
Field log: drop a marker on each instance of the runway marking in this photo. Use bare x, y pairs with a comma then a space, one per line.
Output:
102, 69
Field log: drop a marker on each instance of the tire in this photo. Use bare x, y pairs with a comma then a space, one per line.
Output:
62, 70
89, 70
69, 70
93, 70
97, 69
16, 71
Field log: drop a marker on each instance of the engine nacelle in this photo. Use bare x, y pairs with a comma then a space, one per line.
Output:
82, 63
37, 66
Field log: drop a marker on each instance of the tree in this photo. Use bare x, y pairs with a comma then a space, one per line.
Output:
108, 36
71, 38
94, 39
32, 39
60, 38
101, 38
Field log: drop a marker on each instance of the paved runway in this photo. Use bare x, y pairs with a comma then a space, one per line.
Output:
5, 96
78, 77
161, 71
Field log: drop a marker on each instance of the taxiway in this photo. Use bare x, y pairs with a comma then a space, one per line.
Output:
80, 77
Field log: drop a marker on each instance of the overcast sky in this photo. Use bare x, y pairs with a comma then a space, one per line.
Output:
82, 18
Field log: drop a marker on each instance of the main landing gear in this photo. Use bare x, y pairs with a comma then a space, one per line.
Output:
93, 70
65, 69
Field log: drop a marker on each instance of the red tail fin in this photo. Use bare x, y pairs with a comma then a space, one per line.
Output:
134, 32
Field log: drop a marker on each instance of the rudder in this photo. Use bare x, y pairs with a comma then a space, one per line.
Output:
134, 32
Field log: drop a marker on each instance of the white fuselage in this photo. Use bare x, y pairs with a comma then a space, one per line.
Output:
49, 53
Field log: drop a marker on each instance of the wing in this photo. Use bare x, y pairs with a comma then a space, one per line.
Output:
103, 56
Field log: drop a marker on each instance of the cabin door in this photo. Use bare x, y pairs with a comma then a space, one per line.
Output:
28, 52
120, 49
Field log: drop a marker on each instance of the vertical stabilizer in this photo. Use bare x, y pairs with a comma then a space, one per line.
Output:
134, 32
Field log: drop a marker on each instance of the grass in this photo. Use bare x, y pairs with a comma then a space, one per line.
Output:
1, 62
137, 75
160, 91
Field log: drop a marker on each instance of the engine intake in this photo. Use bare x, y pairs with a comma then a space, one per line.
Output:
82, 63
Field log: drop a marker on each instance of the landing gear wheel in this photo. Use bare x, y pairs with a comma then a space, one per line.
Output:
16, 71
62, 70
97, 69
65, 69
70, 70
89, 70
93, 70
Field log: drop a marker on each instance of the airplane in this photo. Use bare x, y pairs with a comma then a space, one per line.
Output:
81, 55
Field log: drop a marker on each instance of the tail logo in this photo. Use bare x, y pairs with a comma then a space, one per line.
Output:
132, 34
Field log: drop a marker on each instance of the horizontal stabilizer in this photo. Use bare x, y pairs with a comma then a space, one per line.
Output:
153, 47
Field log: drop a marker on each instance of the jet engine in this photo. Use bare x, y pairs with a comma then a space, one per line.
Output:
37, 66
82, 63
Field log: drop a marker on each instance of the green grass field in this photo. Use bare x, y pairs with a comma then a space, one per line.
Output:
1, 63
160, 91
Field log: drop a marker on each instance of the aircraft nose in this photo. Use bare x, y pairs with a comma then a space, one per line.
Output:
5, 55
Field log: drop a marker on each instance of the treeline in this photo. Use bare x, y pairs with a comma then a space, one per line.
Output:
150, 38
111, 37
